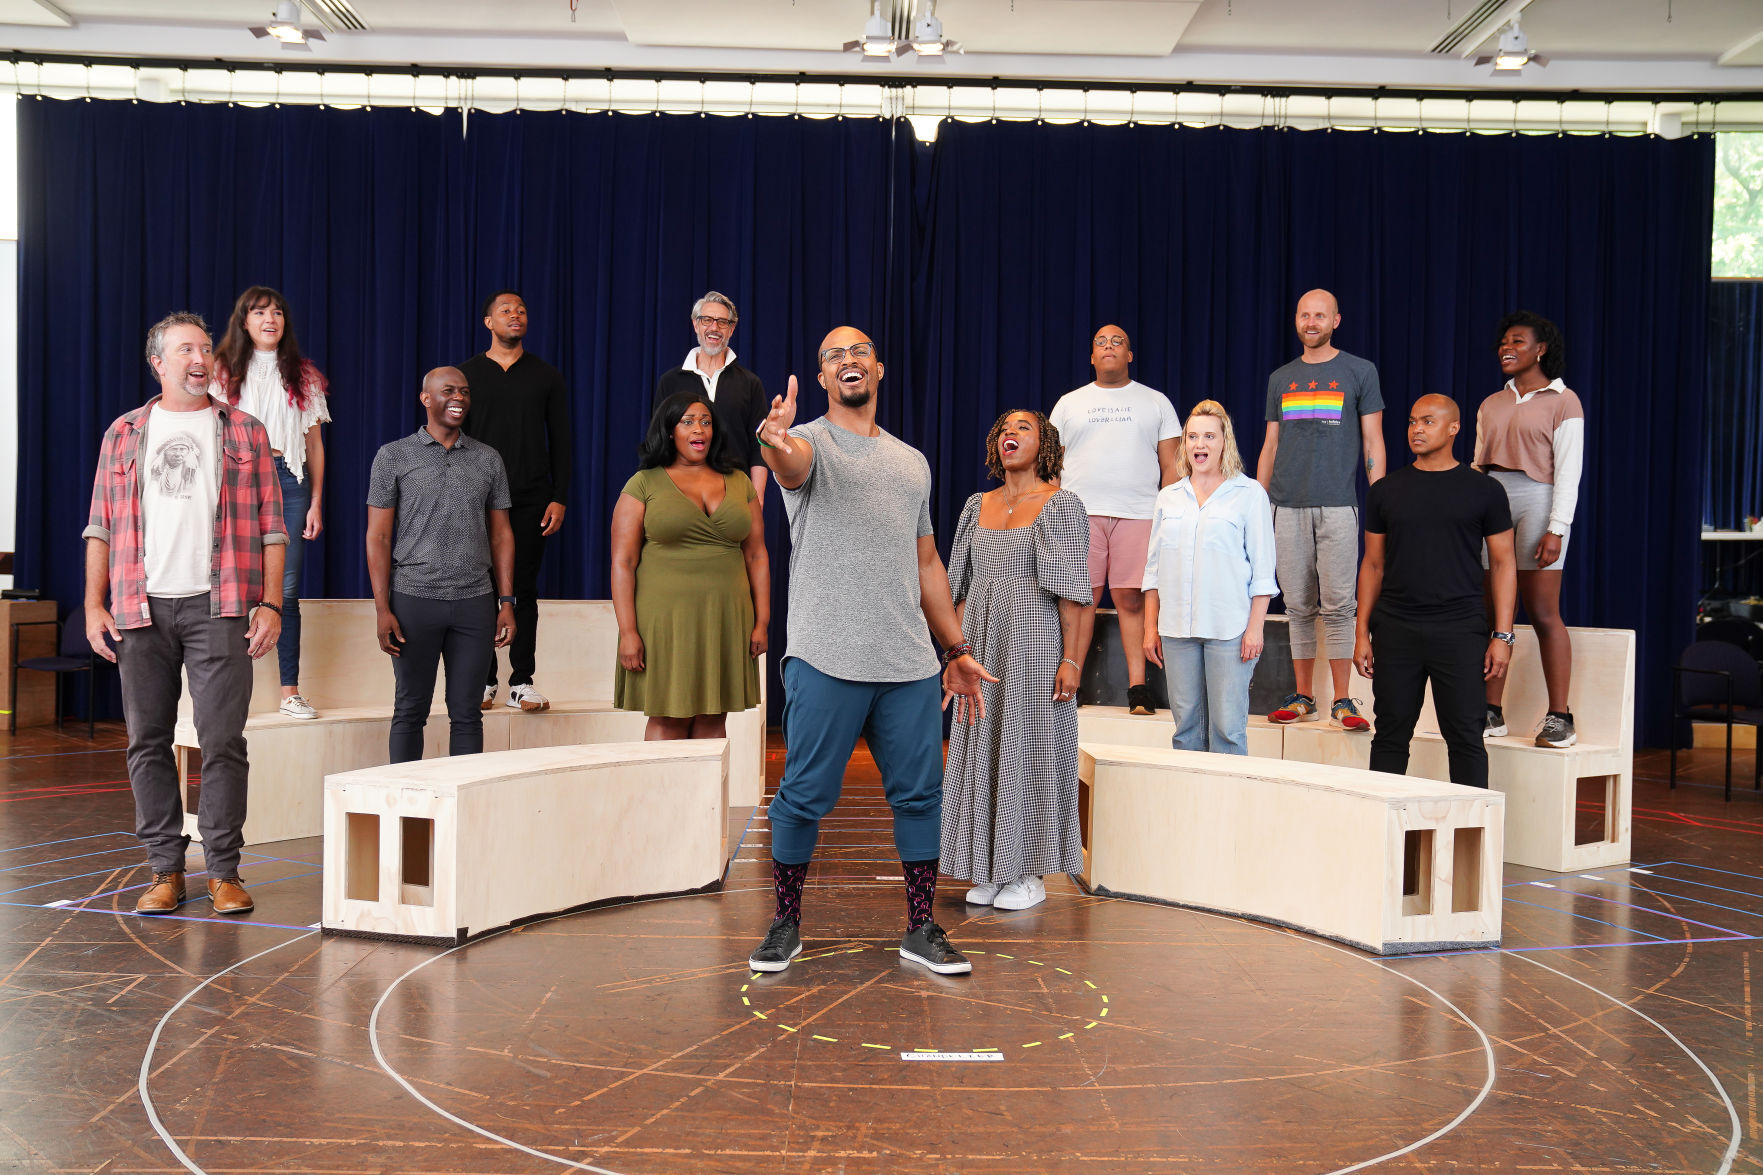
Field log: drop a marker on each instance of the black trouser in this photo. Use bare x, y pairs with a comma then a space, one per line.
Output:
212, 651
461, 632
529, 551
1449, 653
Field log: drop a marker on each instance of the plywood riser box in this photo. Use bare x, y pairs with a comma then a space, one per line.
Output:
417, 854
288, 762
1391, 870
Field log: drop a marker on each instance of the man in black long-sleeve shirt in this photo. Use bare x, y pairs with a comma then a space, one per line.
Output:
737, 399
520, 408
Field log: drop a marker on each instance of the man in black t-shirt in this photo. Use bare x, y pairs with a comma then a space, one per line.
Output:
520, 408
1421, 611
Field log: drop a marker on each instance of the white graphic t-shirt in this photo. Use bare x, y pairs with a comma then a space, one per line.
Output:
1110, 437
179, 488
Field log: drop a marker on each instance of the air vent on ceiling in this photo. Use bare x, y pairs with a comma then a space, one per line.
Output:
1452, 41
337, 14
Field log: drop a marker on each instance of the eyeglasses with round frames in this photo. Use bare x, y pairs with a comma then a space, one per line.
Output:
855, 351
1109, 340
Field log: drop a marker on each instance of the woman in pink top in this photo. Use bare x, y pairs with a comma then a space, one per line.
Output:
1530, 436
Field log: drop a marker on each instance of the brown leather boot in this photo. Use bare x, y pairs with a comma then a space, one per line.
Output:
163, 896
229, 896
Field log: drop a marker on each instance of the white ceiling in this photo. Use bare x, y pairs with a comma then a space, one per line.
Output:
1593, 44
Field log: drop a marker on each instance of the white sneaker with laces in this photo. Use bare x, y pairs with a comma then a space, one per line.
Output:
982, 895
297, 707
525, 697
489, 698
1020, 895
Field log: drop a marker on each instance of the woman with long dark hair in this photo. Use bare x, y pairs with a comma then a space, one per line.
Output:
691, 585
1019, 573
1530, 437
259, 368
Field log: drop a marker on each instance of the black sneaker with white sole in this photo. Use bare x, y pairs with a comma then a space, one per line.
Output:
928, 946
1556, 731
1138, 700
1495, 726
783, 942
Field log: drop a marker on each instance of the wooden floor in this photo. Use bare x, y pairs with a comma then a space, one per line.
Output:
1615, 1032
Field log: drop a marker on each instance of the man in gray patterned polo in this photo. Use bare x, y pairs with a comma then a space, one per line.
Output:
437, 528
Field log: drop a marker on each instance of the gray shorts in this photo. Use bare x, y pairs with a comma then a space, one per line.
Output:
1531, 502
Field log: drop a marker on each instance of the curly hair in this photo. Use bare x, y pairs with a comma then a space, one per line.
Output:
1554, 357
1049, 460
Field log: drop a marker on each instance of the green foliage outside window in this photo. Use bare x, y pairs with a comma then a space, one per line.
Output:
1738, 205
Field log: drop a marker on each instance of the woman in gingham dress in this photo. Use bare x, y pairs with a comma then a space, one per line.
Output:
1019, 572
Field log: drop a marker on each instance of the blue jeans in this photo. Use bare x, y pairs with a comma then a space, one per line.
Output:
296, 499
1208, 693
903, 721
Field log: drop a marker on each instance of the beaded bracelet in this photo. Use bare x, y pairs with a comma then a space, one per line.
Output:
956, 652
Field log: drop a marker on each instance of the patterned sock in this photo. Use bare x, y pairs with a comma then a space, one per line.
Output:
788, 879
921, 890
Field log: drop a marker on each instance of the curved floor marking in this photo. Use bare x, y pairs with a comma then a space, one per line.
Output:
1732, 1146
153, 1043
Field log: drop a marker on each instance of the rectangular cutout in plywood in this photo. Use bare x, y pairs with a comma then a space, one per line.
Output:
1083, 813
1466, 846
416, 861
1417, 872
361, 857
1594, 810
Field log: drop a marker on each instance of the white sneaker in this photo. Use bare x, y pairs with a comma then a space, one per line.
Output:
982, 895
1020, 895
489, 698
297, 707
525, 697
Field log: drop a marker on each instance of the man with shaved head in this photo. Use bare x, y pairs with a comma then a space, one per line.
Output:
1422, 616
1120, 441
437, 537
868, 591
1324, 418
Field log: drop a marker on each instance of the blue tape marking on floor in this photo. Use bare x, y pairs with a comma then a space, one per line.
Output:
59, 860
198, 873
1706, 868
1645, 910
1588, 918
1613, 869
1704, 885
1704, 901
63, 754
235, 920
43, 844
744, 830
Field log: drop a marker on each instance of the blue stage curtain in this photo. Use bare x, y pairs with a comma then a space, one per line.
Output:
980, 266
1734, 454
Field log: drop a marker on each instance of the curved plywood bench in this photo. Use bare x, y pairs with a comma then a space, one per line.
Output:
443, 850
1387, 863
350, 681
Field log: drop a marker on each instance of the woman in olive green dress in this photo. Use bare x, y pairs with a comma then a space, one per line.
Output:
690, 583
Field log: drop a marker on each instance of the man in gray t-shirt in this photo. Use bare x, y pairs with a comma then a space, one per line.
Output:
1324, 413
865, 578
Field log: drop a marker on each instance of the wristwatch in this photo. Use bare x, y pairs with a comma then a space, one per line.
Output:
500, 600
1509, 638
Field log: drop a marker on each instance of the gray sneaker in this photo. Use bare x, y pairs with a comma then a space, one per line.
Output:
1556, 732
1496, 723
928, 946
783, 942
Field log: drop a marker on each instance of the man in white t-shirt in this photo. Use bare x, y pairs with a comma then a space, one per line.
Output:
1120, 441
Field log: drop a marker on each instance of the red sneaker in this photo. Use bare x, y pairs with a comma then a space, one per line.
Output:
1297, 708
1346, 714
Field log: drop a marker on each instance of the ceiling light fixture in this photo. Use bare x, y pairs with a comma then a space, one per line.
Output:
1514, 52
285, 27
877, 42
927, 37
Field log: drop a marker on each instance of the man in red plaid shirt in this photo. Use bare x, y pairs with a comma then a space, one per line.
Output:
186, 538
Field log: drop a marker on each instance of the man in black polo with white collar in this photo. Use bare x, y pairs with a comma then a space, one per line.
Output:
737, 398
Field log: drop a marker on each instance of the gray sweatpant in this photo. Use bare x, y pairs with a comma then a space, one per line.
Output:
212, 650
1316, 557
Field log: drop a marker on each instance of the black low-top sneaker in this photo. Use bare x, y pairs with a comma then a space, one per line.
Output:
930, 947
1495, 725
1556, 731
783, 942
1138, 699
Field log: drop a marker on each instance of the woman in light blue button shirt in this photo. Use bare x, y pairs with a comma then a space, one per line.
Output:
1208, 581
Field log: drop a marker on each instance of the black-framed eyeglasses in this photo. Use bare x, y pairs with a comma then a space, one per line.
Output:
855, 351
706, 321
1109, 340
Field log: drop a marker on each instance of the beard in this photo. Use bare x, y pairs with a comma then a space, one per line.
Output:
857, 397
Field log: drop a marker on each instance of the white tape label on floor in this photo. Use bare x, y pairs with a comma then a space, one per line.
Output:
951, 1056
